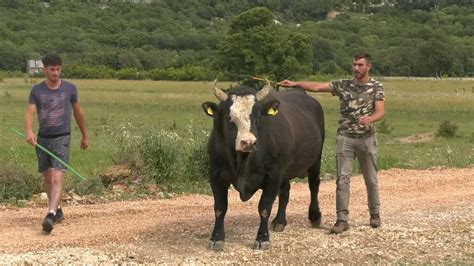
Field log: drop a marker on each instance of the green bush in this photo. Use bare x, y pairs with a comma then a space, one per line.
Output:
131, 74
16, 183
88, 72
187, 72
159, 74
447, 129
179, 163
160, 157
197, 162
10, 74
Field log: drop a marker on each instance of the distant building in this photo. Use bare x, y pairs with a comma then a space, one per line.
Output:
332, 15
34, 67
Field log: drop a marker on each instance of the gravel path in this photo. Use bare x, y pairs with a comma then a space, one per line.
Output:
427, 215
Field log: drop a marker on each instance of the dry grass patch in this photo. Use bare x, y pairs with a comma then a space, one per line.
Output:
417, 138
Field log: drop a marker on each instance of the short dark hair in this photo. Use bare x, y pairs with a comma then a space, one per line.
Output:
52, 60
366, 56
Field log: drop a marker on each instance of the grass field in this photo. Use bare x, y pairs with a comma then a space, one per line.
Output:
120, 113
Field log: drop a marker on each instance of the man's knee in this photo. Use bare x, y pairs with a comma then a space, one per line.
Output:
57, 177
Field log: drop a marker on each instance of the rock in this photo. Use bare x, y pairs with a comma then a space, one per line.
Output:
115, 174
43, 196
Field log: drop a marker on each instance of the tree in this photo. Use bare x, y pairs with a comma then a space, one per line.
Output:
255, 45
436, 58
13, 58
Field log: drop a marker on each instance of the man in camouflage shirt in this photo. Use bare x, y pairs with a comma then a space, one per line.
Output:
362, 102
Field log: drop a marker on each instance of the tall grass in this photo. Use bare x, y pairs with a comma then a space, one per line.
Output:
133, 120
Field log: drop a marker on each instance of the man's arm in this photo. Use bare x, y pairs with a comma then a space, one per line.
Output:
376, 116
29, 114
81, 122
307, 85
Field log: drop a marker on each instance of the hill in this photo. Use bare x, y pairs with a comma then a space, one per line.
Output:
407, 38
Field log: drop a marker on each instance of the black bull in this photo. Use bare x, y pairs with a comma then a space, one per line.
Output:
287, 135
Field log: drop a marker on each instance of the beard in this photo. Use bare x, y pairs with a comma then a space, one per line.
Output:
359, 75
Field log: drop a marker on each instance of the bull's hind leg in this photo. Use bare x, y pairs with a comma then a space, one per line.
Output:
314, 213
279, 222
220, 192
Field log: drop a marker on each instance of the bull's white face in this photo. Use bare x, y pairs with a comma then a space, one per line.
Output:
240, 112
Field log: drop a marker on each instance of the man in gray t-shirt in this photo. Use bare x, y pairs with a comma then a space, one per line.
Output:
54, 107
55, 100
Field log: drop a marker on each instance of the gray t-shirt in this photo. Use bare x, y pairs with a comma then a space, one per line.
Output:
54, 107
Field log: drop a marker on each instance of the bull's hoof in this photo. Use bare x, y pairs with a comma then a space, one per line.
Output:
317, 223
215, 245
278, 227
261, 245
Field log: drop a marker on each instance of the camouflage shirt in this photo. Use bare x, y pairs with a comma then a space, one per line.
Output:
357, 100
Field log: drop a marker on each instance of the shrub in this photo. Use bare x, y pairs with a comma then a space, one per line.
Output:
187, 72
160, 156
88, 72
16, 183
131, 74
447, 129
159, 74
196, 163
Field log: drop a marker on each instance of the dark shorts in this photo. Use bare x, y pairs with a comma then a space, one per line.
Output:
59, 146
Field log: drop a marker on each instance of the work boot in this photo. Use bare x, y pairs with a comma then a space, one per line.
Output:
48, 222
59, 216
339, 227
375, 220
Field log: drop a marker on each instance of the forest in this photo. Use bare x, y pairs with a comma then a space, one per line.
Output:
204, 39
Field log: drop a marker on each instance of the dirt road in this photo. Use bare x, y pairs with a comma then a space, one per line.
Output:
428, 216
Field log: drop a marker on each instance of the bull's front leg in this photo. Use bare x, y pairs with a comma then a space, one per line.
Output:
270, 191
279, 222
220, 190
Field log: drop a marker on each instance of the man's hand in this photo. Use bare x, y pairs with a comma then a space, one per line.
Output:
287, 83
31, 138
84, 143
365, 120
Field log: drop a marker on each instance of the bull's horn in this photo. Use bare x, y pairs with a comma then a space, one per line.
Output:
264, 92
221, 95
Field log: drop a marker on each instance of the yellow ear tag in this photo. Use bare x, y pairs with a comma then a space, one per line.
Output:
272, 112
209, 111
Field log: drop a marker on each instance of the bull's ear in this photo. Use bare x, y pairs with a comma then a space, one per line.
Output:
209, 108
271, 108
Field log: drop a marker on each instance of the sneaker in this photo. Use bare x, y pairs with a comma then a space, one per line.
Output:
48, 223
59, 216
339, 227
375, 221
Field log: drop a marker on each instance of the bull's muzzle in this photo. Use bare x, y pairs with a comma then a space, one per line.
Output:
248, 145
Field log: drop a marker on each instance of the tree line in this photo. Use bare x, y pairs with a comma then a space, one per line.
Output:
201, 39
